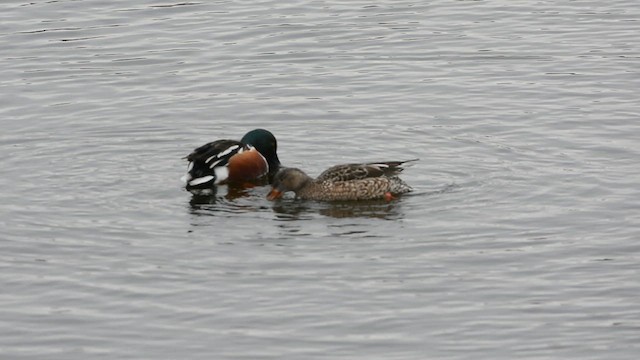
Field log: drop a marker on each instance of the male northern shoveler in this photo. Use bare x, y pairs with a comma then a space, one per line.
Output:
231, 161
343, 182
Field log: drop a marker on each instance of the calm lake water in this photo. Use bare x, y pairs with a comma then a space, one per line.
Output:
520, 241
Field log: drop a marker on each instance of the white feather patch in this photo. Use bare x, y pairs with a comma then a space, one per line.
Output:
222, 173
215, 163
229, 150
200, 180
190, 166
209, 158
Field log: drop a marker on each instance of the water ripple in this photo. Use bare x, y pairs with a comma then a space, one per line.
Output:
518, 242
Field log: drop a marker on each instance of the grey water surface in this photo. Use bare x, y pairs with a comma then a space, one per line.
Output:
520, 241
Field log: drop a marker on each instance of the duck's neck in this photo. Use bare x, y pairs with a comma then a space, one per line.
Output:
305, 185
274, 163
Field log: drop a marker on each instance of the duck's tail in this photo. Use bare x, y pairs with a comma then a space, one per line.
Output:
199, 174
390, 168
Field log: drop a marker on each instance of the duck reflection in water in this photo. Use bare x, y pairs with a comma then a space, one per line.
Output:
297, 209
203, 198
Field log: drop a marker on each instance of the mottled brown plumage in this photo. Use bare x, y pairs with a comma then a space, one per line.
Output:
343, 182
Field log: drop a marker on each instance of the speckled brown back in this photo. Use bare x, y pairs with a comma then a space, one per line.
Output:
363, 189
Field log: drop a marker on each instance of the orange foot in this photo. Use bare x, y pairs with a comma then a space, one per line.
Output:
388, 196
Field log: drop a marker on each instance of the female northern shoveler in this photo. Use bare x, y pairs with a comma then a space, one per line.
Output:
343, 182
230, 161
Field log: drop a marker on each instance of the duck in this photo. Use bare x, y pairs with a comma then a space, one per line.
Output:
225, 161
347, 182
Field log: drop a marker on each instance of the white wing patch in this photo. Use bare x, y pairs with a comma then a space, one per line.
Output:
222, 173
215, 163
380, 165
221, 155
229, 150
201, 180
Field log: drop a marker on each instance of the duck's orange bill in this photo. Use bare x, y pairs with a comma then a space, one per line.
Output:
274, 194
